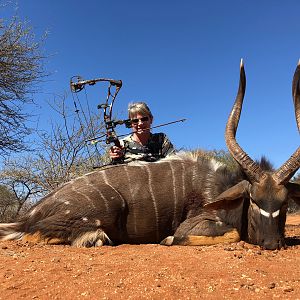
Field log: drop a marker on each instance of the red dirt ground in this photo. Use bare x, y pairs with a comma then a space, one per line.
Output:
237, 270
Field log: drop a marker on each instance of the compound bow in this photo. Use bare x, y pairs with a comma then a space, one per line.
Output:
110, 124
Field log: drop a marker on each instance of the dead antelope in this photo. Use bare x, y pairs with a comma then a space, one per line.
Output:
180, 200
256, 206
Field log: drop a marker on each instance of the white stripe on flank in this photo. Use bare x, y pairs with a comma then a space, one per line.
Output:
94, 186
183, 173
117, 192
102, 196
80, 193
154, 201
195, 182
174, 192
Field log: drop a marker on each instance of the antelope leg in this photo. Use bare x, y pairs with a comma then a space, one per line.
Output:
200, 231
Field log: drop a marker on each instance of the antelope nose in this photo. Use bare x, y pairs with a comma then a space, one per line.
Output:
272, 244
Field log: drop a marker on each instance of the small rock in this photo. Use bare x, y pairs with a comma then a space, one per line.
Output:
229, 249
288, 289
271, 285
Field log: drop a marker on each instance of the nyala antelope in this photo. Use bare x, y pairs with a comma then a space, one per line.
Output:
180, 200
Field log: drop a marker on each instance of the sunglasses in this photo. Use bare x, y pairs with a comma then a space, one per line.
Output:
136, 121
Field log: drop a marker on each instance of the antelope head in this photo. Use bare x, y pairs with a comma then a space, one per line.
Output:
268, 191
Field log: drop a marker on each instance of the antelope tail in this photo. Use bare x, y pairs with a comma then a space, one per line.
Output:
10, 231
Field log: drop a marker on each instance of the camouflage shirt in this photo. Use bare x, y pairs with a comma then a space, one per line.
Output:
158, 146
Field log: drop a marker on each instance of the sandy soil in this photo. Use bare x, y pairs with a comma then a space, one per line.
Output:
238, 271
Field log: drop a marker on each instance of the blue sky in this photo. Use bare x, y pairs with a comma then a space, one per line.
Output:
182, 58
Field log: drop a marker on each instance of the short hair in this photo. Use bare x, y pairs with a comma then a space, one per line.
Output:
139, 108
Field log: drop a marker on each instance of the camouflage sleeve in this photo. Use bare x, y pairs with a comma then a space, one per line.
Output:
167, 147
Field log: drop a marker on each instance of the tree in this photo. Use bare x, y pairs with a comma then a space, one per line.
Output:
23, 184
61, 154
21, 69
8, 204
64, 152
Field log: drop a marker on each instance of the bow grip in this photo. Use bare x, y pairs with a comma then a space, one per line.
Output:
117, 143
112, 139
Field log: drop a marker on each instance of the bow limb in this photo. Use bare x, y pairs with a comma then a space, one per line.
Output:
111, 136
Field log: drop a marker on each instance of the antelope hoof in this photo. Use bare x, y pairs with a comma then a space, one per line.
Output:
168, 241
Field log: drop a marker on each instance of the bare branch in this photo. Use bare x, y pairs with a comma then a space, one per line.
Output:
21, 70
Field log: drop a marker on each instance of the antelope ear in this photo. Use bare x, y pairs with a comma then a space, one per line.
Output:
232, 197
294, 191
